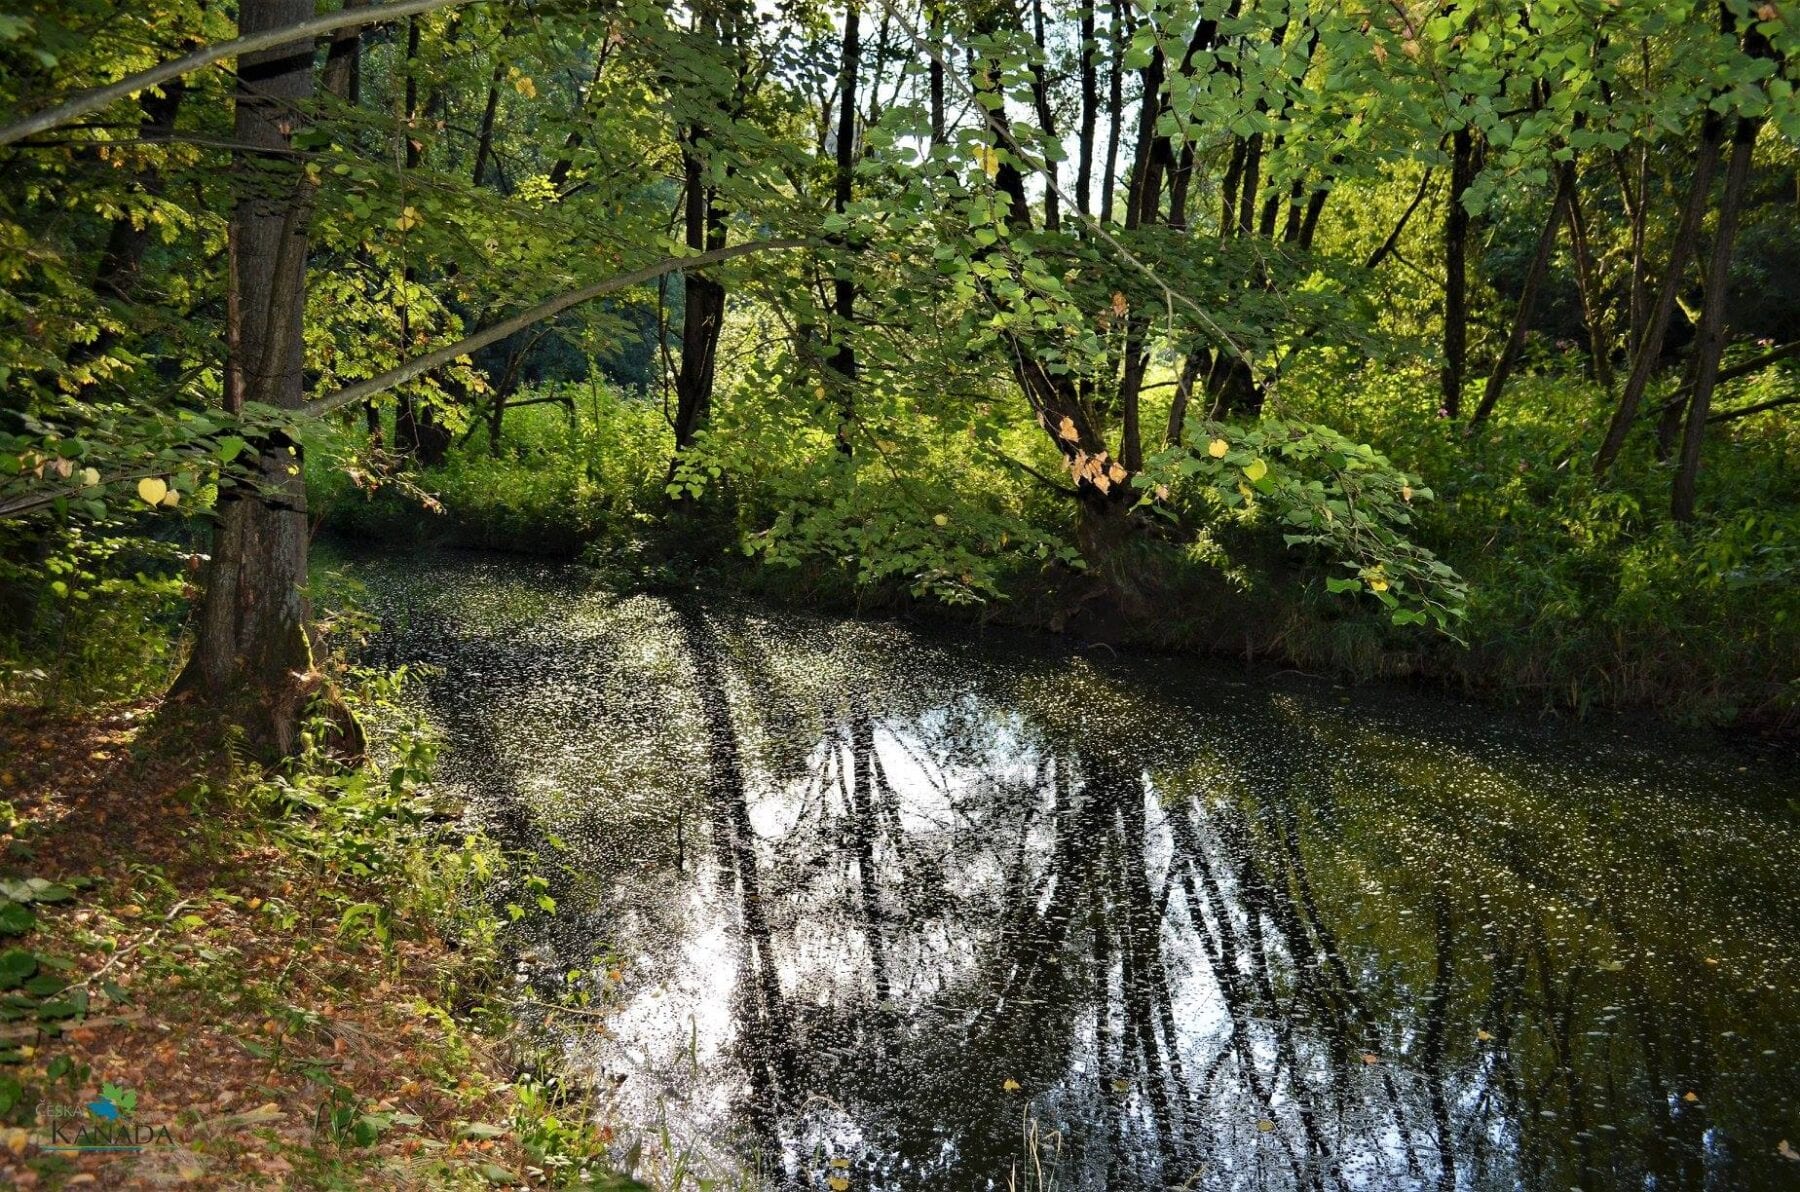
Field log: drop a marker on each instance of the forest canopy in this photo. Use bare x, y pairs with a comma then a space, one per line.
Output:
1454, 337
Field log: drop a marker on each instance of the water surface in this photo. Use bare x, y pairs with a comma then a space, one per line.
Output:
917, 909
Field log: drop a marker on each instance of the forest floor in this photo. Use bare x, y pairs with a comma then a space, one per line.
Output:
233, 1024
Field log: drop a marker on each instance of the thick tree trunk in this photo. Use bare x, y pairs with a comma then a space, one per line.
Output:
1456, 280
252, 662
1650, 344
1711, 340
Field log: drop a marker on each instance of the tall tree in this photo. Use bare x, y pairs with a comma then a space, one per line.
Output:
252, 659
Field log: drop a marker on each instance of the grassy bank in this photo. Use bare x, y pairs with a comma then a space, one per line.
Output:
285, 979
1583, 595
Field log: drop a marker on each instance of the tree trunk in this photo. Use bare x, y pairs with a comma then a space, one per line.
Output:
1711, 340
704, 309
937, 73
1650, 345
843, 360
116, 278
1528, 292
1115, 107
1587, 282
1456, 282
252, 662
1090, 111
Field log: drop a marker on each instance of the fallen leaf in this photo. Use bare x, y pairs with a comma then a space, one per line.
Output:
1264, 1125
1483, 1036
1787, 1152
1011, 1085
1370, 1057
837, 1183
1690, 1096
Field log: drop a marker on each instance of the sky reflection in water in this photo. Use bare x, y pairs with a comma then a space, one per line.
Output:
990, 912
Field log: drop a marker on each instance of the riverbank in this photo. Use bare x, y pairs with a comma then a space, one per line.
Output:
1579, 600
254, 980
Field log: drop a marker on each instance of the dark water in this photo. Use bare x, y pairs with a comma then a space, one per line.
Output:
974, 912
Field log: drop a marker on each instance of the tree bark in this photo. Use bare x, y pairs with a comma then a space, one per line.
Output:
253, 662
1650, 345
1587, 281
703, 313
1456, 282
937, 73
1115, 107
1090, 111
1711, 339
117, 276
843, 360
1528, 292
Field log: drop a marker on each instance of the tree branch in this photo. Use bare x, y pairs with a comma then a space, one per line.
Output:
268, 39
537, 314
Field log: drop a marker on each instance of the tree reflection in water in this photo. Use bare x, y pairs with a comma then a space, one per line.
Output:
1018, 920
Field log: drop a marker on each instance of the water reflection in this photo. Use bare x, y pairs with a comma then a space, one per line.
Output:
994, 916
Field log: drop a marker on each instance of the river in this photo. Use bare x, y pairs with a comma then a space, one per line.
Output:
921, 908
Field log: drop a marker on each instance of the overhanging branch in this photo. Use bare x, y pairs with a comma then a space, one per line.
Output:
403, 373
268, 39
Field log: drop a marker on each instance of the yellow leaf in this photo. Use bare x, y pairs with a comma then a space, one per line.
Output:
1117, 473
941, 520
1483, 1036
838, 1183
1255, 470
1121, 1085
1264, 1125
1066, 430
90, 476
152, 489
1787, 1152
1119, 305
409, 219
170, 499
1011, 1085
525, 86
1406, 493
990, 161
1379, 585
1690, 1096
840, 1163
1217, 448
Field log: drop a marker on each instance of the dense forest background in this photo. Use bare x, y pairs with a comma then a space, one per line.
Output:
1453, 339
